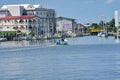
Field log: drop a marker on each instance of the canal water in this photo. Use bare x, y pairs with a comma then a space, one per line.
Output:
84, 58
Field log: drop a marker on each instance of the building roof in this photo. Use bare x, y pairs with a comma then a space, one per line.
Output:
18, 17
37, 6
24, 5
65, 18
80, 25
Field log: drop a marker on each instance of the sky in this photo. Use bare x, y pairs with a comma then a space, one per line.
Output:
84, 11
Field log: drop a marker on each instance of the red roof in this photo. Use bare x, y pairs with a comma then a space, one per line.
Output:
18, 17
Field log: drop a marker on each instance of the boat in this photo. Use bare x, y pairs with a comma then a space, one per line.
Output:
3, 38
102, 34
104, 31
62, 42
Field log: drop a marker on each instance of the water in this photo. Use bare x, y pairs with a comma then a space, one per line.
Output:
87, 58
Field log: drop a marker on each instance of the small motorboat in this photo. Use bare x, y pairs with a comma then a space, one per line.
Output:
102, 34
3, 38
62, 42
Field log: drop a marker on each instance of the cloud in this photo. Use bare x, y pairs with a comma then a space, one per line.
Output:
109, 1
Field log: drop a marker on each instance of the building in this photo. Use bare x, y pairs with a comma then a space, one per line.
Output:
79, 29
25, 24
64, 25
47, 16
47, 19
117, 18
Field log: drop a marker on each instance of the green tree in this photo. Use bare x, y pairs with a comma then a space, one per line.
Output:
15, 28
111, 25
95, 25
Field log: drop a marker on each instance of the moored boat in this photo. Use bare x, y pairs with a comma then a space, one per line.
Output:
3, 38
102, 34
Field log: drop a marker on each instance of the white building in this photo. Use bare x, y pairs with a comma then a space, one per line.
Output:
25, 24
47, 16
117, 18
64, 25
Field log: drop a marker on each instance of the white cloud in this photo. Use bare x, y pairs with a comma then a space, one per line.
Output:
110, 1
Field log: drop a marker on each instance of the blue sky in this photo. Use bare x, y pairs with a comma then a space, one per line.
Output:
84, 11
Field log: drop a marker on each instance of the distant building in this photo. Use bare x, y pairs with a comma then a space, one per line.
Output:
79, 27
64, 24
117, 18
47, 16
25, 24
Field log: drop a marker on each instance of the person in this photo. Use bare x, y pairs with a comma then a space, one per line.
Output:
58, 42
62, 40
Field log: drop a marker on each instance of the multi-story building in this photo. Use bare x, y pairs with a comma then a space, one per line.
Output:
64, 24
79, 29
25, 24
47, 19
47, 16
117, 18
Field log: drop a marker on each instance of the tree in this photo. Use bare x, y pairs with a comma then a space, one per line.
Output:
15, 28
111, 25
95, 25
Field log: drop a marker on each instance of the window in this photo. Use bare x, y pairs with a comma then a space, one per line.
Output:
34, 21
21, 21
30, 27
41, 13
0, 27
53, 14
30, 21
51, 20
22, 27
8, 21
37, 13
5, 21
44, 13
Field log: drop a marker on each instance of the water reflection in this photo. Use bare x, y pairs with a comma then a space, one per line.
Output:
27, 43
71, 41
92, 40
